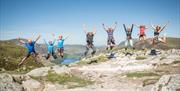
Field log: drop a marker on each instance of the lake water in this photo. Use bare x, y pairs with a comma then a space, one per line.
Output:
68, 61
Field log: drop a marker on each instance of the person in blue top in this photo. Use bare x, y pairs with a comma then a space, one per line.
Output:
110, 39
50, 48
60, 45
30, 45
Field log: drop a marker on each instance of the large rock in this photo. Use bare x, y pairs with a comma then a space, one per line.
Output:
32, 85
7, 83
52, 87
20, 78
59, 70
43, 71
167, 83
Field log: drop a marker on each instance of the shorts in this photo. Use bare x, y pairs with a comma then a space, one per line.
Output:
142, 35
89, 43
110, 41
61, 50
30, 53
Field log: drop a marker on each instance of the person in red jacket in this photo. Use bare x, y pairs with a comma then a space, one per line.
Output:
142, 28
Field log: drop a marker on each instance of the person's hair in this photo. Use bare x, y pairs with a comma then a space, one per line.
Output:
90, 33
110, 29
158, 28
142, 26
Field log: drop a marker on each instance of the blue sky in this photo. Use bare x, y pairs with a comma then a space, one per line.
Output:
28, 18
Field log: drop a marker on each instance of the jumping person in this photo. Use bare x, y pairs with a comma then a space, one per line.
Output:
50, 48
31, 49
157, 29
110, 40
60, 45
89, 40
142, 35
129, 40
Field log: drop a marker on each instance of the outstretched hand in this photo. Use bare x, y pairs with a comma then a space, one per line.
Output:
39, 36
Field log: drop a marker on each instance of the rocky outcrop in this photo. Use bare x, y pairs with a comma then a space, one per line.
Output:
8, 84
167, 83
107, 74
32, 85
43, 71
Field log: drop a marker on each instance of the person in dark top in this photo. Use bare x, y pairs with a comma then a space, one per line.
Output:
129, 40
89, 40
157, 30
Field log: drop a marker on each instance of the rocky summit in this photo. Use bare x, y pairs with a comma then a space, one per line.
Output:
130, 70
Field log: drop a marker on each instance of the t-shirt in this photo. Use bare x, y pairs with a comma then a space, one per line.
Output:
30, 46
60, 43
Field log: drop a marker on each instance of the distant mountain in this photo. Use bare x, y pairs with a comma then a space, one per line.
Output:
171, 43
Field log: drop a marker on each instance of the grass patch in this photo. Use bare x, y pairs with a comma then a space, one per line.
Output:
176, 62
150, 81
100, 58
66, 79
140, 58
11, 54
96, 59
178, 89
141, 74
82, 62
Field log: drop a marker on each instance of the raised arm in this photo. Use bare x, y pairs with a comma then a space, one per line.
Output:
132, 27
45, 42
85, 28
165, 26
54, 38
105, 27
114, 26
38, 38
125, 27
153, 26
21, 41
66, 37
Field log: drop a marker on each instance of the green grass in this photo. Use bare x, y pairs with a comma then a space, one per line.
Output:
82, 62
150, 81
140, 58
99, 58
11, 54
176, 62
178, 89
66, 79
141, 74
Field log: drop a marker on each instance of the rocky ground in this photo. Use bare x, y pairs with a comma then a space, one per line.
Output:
134, 72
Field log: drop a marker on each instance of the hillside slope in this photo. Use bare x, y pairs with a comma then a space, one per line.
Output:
11, 54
